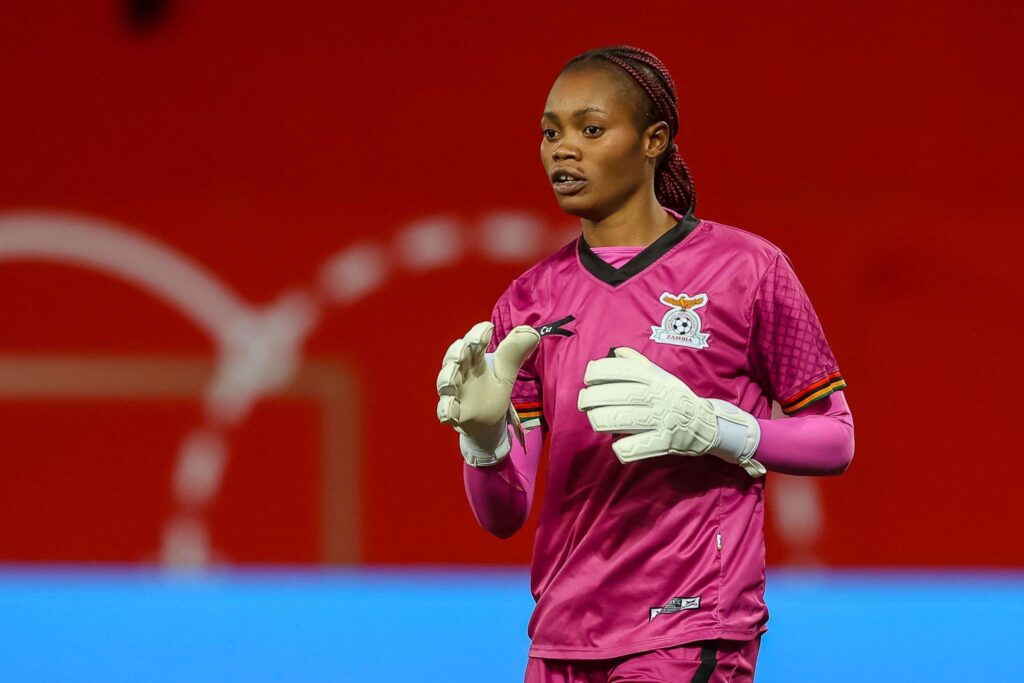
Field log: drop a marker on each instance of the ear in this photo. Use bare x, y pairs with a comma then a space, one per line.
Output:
656, 140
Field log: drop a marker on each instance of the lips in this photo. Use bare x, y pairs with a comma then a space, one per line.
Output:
567, 181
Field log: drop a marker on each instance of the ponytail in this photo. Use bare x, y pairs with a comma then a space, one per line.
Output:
673, 185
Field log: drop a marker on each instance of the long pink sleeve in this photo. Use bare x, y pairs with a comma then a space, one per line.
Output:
817, 440
501, 495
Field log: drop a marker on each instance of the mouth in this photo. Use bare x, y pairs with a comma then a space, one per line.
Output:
567, 181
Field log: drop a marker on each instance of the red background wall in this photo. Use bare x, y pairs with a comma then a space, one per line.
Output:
877, 143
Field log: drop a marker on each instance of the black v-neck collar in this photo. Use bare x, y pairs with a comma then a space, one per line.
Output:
600, 268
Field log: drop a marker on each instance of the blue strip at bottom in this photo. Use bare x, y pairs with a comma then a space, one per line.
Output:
460, 625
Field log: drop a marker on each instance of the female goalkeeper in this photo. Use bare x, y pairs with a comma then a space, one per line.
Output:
649, 352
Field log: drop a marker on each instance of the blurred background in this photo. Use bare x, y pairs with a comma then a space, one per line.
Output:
236, 238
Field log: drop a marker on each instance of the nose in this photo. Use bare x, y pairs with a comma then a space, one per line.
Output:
564, 151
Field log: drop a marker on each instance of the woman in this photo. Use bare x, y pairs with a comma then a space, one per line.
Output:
649, 352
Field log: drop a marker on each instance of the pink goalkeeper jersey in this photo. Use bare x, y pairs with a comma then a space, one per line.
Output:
669, 550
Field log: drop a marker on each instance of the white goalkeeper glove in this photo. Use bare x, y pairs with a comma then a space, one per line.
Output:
474, 394
628, 394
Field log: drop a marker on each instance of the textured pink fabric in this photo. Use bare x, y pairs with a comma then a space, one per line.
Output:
632, 558
722, 661
616, 257
787, 344
817, 440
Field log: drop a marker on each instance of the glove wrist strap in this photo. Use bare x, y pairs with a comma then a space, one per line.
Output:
479, 456
738, 437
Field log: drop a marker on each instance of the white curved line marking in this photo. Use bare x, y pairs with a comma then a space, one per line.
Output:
128, 255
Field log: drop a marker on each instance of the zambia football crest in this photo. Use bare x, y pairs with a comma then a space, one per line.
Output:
681, 324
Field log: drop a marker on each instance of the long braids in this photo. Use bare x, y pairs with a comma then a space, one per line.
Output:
673, 184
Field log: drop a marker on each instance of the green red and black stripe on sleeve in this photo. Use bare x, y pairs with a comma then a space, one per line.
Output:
813, 392
530, 414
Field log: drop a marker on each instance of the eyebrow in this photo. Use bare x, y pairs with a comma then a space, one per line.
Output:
576, 114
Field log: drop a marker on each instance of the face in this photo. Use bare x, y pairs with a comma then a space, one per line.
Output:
594, 153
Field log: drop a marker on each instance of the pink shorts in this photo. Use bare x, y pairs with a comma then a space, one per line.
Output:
710, 661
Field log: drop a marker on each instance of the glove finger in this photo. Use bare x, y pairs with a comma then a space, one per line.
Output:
622, 419
513, 351
449, 379
478, 338
454, 352
604, 370
631, 354
656, 370
641, 446
448, 410
614, 394
466, 357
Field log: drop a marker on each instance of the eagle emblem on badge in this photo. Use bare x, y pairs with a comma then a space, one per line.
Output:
681, 324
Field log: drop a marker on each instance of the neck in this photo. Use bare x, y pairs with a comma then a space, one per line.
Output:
636, 224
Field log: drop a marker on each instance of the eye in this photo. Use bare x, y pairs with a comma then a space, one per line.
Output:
550, 134
593, 131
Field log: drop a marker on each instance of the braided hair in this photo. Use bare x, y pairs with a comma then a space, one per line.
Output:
673, 185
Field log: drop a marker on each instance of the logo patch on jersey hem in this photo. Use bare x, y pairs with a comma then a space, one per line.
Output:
676, 605
681, 324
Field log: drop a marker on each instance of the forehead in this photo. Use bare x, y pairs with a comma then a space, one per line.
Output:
591, 85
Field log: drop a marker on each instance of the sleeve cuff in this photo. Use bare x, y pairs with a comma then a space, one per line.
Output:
813, 392
530, 413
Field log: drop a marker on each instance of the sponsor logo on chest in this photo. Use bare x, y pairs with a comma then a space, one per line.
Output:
681, 324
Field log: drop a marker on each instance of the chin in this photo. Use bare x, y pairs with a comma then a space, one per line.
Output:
577, 205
